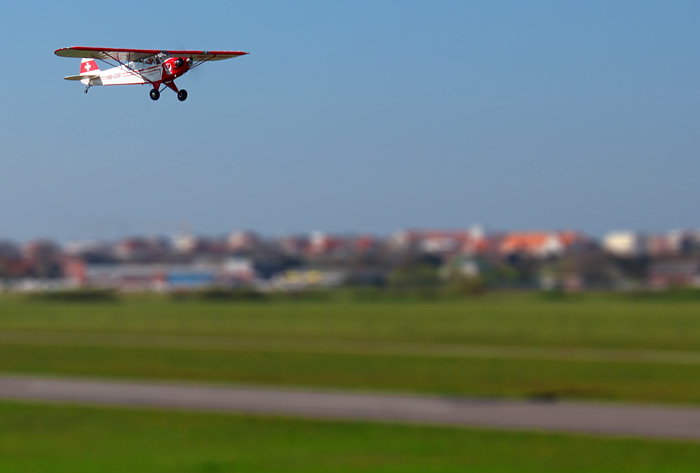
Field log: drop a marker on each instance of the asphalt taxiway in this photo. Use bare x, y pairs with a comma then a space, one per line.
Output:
590, 418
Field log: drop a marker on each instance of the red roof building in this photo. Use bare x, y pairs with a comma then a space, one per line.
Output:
540, 244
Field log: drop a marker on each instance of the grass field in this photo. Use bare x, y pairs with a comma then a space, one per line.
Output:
52, 439
589, 347
514, 319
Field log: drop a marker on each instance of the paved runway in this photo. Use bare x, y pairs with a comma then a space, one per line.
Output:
607, 419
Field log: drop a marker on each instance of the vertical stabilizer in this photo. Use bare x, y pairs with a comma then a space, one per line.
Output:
88, 67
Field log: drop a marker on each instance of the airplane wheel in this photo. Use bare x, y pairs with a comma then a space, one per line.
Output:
182, 95
155, 95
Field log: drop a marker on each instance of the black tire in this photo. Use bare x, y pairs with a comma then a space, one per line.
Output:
182, 95
155, 94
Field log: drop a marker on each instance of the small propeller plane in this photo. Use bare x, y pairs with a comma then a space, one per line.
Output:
139, 66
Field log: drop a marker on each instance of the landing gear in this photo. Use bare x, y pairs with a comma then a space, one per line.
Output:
86, 88
181, 94
155, 92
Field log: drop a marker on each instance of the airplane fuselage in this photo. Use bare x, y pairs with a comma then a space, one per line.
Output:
155, 70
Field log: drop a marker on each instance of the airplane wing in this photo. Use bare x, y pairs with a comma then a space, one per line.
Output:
204, 56
126, 55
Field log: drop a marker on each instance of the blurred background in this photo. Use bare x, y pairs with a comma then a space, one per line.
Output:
461, 200
462, 262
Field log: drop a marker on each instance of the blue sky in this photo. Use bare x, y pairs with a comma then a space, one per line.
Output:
356, 116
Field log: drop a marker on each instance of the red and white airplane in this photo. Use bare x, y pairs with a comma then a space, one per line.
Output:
139, 66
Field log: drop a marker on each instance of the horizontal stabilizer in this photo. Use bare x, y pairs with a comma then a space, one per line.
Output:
84, 76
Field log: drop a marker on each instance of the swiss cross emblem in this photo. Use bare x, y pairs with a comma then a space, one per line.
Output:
88, 66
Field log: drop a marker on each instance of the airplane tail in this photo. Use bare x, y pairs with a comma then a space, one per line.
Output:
89, 72
88, 67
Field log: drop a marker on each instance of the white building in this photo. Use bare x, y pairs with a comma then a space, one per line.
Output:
624, 243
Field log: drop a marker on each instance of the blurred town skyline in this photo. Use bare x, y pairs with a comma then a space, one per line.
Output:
409, 258
176, 239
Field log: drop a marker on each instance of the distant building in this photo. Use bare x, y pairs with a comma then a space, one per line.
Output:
307, 278
89, 250
159, 276
365, 243
674, 272
540, 244
293, 245
242, 241
9, 250
139, 249
658, 246
187, 243
322, 243
440, 242
624, 243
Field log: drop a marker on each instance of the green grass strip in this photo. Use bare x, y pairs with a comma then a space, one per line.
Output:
60, 439
588, 321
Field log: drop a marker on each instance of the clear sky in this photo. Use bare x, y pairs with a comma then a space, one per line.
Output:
355, 116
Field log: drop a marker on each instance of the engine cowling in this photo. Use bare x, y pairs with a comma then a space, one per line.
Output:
175, 67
